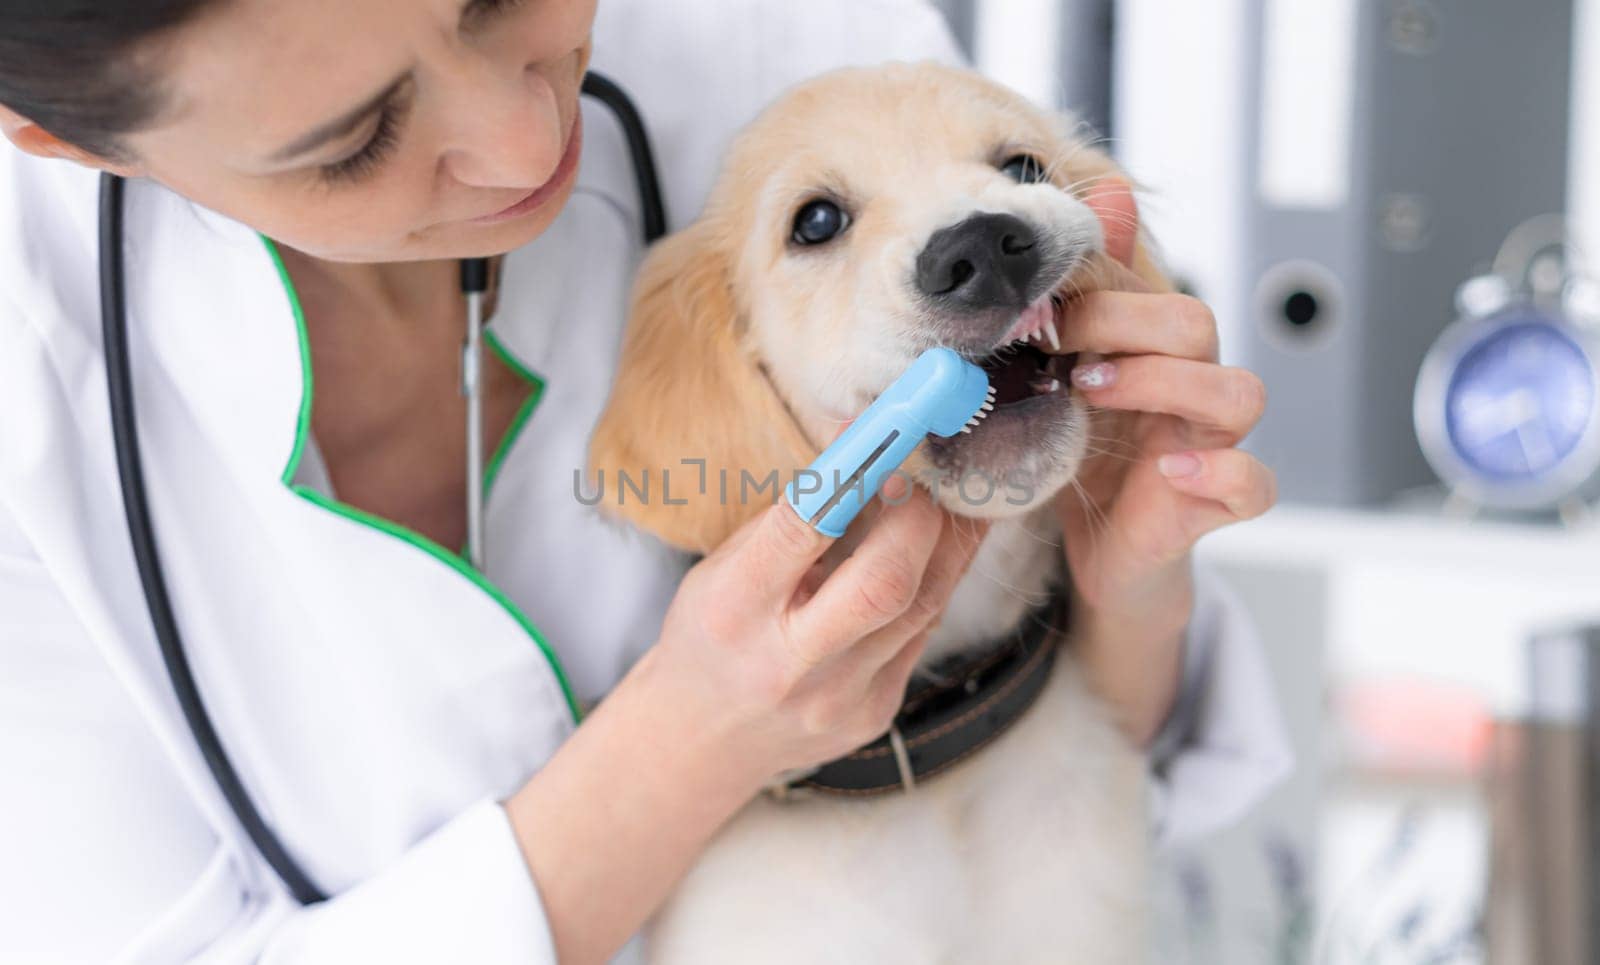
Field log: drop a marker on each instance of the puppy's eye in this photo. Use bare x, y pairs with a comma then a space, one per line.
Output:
1023, 169
819, 222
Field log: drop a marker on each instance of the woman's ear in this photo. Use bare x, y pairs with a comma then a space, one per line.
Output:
30, 138
694, 439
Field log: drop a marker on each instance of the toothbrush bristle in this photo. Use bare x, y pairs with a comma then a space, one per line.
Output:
983, 411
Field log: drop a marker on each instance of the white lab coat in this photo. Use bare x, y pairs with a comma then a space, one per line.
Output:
378, 697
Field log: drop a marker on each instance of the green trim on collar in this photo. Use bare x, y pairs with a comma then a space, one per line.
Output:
389, 527
302, 428
524, 412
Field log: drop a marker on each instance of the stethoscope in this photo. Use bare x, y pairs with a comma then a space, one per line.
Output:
130, 469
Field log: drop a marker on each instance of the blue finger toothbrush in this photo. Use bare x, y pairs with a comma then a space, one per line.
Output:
940, 394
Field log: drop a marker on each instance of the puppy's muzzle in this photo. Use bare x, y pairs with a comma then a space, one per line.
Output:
987, 262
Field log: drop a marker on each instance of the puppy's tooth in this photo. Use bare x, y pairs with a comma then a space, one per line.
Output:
1055, 385
1050, 335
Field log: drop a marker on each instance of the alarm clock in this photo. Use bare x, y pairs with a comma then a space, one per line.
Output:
1507, 403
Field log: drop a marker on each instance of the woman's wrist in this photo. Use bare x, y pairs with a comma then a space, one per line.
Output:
1133, 654
623, 809
709, 746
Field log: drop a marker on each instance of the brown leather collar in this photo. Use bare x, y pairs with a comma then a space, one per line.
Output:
966, 707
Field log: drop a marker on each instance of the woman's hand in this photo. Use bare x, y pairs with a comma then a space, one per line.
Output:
793, 670
763, 665
1163, 471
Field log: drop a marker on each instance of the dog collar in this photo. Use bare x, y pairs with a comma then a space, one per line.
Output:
966, 707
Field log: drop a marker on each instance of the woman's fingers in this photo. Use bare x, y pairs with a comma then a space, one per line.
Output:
1225, 398
887, 689
958, 546
1231, 484
1111, 322
775, 550
853, 604
895, 650
878, 584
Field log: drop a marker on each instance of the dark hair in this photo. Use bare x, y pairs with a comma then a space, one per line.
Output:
80, 69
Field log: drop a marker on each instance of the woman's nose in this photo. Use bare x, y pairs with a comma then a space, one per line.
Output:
509, 137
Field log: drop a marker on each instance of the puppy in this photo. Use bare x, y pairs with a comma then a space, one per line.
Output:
868, 215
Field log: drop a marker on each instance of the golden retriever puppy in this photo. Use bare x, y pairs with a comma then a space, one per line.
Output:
869, 215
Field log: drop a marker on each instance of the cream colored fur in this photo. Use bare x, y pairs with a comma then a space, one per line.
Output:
747, 353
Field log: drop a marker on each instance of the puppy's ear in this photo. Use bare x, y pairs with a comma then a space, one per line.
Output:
694, 439
1089, 166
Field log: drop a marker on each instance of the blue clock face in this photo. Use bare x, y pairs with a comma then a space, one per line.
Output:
1520, 400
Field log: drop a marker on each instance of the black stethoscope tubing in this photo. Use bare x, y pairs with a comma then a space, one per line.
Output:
135, 501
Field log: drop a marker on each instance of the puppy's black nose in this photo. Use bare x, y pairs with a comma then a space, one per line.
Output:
986, 261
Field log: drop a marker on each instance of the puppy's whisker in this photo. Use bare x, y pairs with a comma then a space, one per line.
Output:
1092, 512
1107, 443
1044, 540
1080, 185
1114, 455
1119, 218
1091, 179
1010, 589
1107, 448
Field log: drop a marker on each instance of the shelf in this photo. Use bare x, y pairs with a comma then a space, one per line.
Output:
1364, 594
1324, 537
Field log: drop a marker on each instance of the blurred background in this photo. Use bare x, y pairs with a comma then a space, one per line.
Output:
1388, 203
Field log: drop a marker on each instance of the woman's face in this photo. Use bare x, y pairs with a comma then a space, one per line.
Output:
376, 130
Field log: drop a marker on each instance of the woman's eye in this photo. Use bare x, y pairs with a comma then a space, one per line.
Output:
366, 161
819, 222
1024, 169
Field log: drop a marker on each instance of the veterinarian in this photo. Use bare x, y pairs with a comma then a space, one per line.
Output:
399, 725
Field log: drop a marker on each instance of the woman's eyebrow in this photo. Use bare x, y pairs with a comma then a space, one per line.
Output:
339, 126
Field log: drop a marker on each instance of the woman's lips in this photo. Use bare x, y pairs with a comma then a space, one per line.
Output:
558, 180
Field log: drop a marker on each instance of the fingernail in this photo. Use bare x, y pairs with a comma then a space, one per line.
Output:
1096, 376
1178, 465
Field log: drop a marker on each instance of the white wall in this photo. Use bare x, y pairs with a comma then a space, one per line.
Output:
1017, 42
1181, 70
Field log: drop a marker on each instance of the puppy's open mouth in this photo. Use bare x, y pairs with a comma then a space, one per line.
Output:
1019, 370
1037, 423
